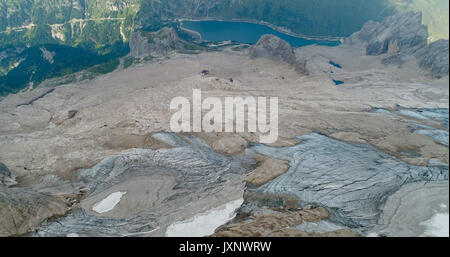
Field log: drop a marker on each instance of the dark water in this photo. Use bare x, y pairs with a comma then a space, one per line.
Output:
336, 65
245, 32
338, 82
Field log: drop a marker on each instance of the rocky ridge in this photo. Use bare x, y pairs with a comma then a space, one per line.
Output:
402, 37
276, 49
157, 43
394, 34
435, 58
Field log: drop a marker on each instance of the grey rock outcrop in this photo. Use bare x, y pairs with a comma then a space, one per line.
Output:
404, 37
143, 44
394, 34
276, 49
435, 58
23, 210
350, 180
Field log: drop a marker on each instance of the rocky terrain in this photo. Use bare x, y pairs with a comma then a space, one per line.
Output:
276, 49
162, 186
403, 36
96, 158
154, 44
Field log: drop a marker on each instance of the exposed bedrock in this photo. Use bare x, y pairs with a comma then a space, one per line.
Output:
158, 188
435, 58
394, 34
403, 37
143, 44
276, 49
350, 180
22, 210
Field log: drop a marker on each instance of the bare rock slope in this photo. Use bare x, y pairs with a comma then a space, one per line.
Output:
402, 37
394, 34
276, 49
154, 44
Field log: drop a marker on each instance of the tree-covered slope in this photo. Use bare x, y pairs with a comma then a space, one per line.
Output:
309, 17
89, 23
38, 63
318, 17
97, 23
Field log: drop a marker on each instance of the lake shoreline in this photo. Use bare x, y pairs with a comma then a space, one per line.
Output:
263, 23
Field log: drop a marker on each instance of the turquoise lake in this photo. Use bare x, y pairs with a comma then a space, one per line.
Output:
245, 32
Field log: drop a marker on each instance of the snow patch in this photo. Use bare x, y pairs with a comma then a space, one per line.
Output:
108, 203
206, 223
437, 226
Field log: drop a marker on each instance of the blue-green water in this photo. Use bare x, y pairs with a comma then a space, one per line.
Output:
245, 32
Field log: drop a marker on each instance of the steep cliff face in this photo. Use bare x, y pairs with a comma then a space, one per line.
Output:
144, 44
394, 34
435, 58
91, 23
276, 49
402, 37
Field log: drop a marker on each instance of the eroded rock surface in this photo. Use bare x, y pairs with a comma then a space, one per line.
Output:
23, 210
159, 187
435, 58
350, 180
268, 170
394, 34
154, 44
403, 37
